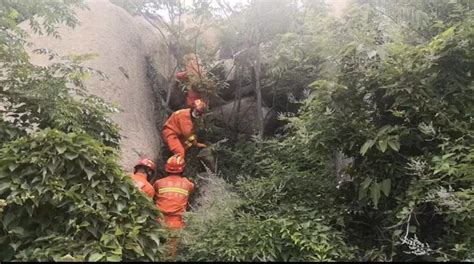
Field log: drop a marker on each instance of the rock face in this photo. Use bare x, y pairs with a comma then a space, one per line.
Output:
247, 116
122, 43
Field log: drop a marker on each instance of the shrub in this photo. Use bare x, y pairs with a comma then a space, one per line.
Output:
67, 199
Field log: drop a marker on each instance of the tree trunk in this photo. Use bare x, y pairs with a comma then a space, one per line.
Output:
239, 95
258, 92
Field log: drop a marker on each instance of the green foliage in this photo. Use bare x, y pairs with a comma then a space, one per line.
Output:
54, 97
289, 68
66, 196
402, 112
35, 97
264, 224
412, 108
63, 196
245, 238
389, 84
424, 18
42, 16
241, 162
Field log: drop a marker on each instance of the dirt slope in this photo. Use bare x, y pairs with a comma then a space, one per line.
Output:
122, 42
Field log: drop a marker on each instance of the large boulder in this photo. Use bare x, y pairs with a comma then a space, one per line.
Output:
123, 43
246, 118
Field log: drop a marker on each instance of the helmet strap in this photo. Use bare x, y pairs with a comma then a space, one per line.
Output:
149, 176
194, 113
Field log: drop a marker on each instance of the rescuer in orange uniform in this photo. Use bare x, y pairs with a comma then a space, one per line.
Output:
143, 172
178, 130
172, 194
191, 94
193, 74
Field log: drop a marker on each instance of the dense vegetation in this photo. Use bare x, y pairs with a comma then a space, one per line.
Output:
63, 196
392, 91
388, 83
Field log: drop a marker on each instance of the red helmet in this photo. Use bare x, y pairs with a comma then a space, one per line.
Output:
146, 163
175, 164
199, 105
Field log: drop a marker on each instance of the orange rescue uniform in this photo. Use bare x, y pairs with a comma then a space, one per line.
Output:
178, 132
172, 194
191, 95
141, 182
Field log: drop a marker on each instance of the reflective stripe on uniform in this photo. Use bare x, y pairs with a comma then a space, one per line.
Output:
173, 190
189, 141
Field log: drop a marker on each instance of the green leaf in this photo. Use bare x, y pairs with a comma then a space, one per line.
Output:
89, 173
366, 183
383, 130
137, 249
16, 245
155, 238
397, 232
362, 193
114, 258
61, 149
8, 218
368, 144
118, 231
17, 230
4, 186
106, 238
141, 219
386, 185
117, 250
71, 156
375, 193
96, 257
125, 190
445, 156
382, 145
92, 230
120, 206
394, 144
85, 223
3, 174
12, 167
94, 183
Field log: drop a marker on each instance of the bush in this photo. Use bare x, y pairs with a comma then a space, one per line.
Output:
67, 199
245, 238
406, 120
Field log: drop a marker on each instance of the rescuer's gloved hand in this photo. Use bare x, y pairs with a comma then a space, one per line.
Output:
201, 145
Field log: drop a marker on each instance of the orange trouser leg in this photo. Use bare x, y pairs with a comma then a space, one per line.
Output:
173, 223
175, 146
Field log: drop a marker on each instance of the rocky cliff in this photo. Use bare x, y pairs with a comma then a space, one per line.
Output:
122, 44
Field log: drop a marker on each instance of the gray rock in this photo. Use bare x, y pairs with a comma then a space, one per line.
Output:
122, 44
245, 119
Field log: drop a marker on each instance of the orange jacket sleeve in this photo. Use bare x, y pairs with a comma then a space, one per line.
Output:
149, 190
191, 185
